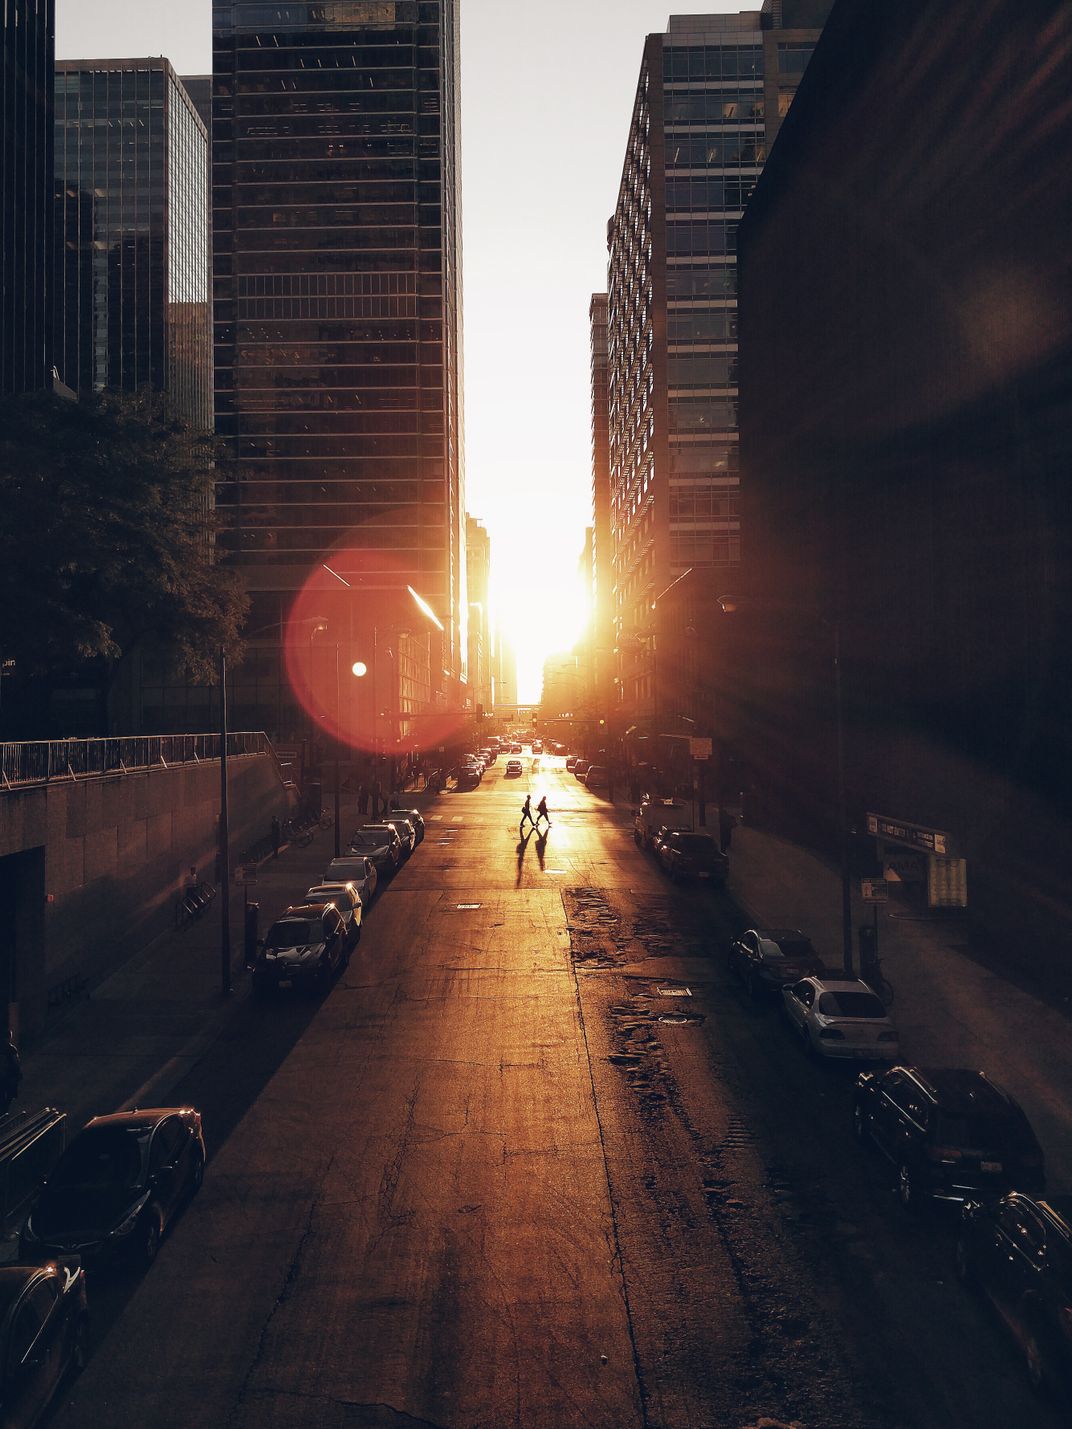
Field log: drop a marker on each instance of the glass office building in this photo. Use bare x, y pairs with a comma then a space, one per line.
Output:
132, 228
711, 93
336, 214
27, 49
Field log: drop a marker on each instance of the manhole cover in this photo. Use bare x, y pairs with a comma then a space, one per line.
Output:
679, 1019
674, 991
468, 905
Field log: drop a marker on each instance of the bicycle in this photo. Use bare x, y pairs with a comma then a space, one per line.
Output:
301, 835
326, 820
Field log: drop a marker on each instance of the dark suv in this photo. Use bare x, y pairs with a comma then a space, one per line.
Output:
1018, 1252
953, 1134
686, 855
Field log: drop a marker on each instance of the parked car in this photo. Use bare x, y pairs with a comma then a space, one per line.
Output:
768, 959
597, 777
407, 833
1018, 1253
656, 814
355, 868
571, 762
118, 1187
413, 816
303, 949
953, 1134
580, 769
685, 855
513, 769
840, 1017
381, 844
347, 903
44, 1335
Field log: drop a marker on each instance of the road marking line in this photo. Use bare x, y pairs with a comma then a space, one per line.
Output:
456, 818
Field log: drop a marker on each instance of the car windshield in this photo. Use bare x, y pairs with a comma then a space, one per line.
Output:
968, 1132
294, 933
771, 952
696, 844
796, 948
365, 841
851, 1004
103, 1158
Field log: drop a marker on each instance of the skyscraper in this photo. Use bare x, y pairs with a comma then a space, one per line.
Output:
478, 579
337, 309
602, 627
26, 193
132, 308
698, 138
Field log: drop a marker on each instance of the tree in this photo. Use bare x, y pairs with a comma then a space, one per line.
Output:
106, 541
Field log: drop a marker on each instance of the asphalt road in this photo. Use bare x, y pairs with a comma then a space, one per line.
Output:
535, 1161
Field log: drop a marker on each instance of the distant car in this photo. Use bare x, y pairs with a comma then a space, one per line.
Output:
304, 948
840, 1018
469, 776
571, 762
379, 843
580, 769
115, 1191
513, 769
768, 959
355, 868
414, 816
953, 1134
406, 831
1018, 1253
348, 904
44, 1335
537, 746
684, 855
597, 777
516, 749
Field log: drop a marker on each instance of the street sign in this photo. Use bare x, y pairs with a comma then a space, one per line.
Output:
947, 882
874, 890
700, 748
246, 873
917, 836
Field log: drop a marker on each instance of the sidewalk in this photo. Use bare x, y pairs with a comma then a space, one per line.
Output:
950, 1010
138, 1033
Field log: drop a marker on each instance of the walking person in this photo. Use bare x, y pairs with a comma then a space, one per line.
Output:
541, 811
526, 813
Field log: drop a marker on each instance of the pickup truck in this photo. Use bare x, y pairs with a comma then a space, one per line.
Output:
656, 814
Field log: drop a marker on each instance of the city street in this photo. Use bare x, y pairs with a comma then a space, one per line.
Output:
535, 1160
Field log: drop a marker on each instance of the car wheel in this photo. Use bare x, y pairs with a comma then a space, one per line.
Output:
80, 1348
962, 1263
150, 1240
906, 1188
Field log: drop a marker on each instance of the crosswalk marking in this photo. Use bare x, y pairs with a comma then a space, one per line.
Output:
456, 818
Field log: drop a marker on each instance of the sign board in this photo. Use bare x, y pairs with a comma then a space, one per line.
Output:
904, 868
700, 748
246, 873
917, 836
874, 890
947, 883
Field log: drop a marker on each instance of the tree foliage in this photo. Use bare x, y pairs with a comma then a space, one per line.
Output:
106, 544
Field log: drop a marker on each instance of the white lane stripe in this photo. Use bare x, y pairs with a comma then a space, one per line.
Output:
456, 818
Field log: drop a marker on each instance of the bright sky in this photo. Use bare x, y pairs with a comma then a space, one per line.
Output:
547, 92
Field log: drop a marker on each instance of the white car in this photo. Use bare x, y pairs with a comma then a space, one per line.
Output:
357, 869
513, 768
840, 1017
348, 905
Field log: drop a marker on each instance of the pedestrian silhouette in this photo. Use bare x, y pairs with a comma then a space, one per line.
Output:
526, 813
541, 811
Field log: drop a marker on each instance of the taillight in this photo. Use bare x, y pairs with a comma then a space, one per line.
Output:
945, 1155
832, 1034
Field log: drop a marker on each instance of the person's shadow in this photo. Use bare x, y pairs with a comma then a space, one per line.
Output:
541, 846
522, 849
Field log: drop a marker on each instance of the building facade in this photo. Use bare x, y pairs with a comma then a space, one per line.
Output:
336, 213
602, 555
698, 138
27, 59
478, 580
132, 307
907, 444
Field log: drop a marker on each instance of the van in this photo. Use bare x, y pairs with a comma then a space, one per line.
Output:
656, 814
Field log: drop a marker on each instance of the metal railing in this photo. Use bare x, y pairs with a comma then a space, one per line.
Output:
44, 761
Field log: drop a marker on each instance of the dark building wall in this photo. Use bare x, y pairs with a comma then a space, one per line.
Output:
111, 857
906, 411
337, 304
27, 47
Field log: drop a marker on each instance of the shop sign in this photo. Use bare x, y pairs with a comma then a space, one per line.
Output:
915, 836
700, 748
947, 883
874, 890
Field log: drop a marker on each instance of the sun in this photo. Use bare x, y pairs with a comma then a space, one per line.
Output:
539, 610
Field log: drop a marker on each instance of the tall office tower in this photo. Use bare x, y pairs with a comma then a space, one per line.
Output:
132, 308
697, 141
478, 581
602, 629
199, 88
26, 194
336, 202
